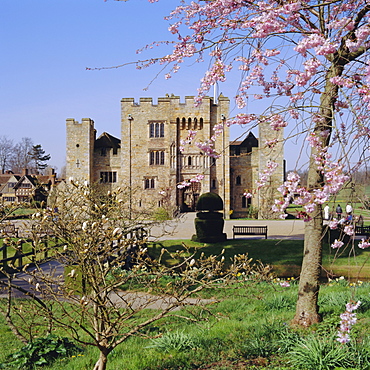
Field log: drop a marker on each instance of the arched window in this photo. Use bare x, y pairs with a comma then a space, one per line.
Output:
189, 161
195, 124
246, 202
201, 124
189, 124
183, 124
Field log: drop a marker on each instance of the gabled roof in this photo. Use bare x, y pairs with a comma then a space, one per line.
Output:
4, 179
30, 178
250, 137
106, 140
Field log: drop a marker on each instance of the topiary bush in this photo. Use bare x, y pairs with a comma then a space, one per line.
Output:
209, 224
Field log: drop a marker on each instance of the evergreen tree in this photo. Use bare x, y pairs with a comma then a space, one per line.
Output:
39, 157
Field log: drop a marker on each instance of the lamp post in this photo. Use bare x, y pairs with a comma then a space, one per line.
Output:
130, 118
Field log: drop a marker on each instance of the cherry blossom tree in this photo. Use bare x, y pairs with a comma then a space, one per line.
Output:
308, 62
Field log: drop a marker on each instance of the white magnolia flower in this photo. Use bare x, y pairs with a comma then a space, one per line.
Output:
116, 231
72, 273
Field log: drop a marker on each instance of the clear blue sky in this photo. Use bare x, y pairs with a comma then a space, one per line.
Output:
46, 46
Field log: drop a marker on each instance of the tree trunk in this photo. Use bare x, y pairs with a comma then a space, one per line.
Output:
101, 364
307, 307
307, 310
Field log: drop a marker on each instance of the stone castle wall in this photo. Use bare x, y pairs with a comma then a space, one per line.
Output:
150, 162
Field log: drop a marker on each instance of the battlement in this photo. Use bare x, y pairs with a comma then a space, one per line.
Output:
72, 121
173, 100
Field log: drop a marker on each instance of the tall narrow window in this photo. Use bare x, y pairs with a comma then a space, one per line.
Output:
238, 180
201, 124
189, 161
108, 177
195, 124
156, 157
151, 130
156, 129
149, 183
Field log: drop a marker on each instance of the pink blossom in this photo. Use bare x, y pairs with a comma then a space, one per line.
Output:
197, 178
285, 284
348, 229
333, 224
337, 244
183, 184
348, 319
364, 244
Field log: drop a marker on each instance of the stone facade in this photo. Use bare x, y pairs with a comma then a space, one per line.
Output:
150, 161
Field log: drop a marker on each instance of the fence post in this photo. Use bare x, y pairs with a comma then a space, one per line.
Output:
5, 255
18, 255
45, 242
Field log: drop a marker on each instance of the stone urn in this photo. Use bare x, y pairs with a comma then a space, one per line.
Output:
209, 223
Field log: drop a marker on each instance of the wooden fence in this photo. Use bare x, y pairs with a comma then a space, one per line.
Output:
21, 257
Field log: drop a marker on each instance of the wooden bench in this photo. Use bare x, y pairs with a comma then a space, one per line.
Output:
250, 230
8, 230
362, 230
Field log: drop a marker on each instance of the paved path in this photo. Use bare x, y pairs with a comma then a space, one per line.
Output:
183, 228
52, 268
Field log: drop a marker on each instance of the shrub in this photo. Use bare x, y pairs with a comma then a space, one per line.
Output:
174, 341
161, 214
319, 353
41, 352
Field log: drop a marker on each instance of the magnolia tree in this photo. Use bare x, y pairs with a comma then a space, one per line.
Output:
111, 288
307, 61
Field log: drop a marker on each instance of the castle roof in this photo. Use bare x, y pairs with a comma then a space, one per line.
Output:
106, 140
249, 141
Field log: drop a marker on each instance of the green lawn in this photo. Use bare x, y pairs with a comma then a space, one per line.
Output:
284, 255
354, 195
248, 328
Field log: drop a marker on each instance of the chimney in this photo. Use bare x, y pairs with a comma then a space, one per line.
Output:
25, 172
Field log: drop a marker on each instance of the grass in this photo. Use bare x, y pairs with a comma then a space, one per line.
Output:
248, 329
352, 194
26, 248
285, 256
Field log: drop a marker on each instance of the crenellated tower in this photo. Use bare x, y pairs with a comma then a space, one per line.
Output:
271, 150
154, 157
80, 149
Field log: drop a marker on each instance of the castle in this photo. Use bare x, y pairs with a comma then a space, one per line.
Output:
152, 156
